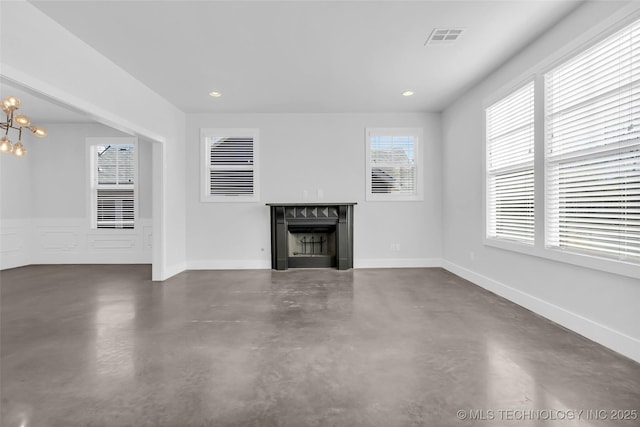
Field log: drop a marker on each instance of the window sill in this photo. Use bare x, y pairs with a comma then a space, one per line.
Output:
387, 198
114, 230
620, 267
230, 199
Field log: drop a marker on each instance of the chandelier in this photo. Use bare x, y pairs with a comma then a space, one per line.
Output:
17, 122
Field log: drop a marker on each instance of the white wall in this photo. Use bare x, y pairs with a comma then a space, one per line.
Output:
39, 54
44, 216
314, 152
599, 305
15, 209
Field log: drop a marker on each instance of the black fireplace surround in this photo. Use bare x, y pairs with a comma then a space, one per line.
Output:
311, 235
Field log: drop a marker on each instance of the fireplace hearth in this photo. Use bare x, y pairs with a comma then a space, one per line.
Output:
318, 235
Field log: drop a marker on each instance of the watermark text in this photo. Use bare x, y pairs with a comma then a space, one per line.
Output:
548, 414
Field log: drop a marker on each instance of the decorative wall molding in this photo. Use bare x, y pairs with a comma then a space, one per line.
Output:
58, 239
72, 241
109, 243
147, 236
14, 243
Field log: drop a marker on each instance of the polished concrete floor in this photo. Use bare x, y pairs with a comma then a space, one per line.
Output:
105, 346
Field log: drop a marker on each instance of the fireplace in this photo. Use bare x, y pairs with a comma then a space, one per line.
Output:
311, 246
316, 235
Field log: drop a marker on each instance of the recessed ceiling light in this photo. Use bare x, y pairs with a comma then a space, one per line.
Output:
215, 94
407, 93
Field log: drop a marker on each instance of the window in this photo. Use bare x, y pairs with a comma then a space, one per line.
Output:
592, 152
114, 176
394, 164
510, 167
230, 165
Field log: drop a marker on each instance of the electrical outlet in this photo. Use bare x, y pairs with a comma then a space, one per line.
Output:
395, 247
472, 256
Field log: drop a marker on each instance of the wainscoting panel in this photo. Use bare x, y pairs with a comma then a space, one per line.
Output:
14, 243
57, 239
147, 236
110, 243
71, 241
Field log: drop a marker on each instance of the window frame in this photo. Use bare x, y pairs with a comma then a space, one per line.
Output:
418, 193
583, 259
205, 167
505, 170
93, 186
587, 156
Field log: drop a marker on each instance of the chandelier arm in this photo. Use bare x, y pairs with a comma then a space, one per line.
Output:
9, 105
9, 123
6, 125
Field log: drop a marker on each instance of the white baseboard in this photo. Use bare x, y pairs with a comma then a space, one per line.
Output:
617, 341
229, 264
171, 270
259, 264
398, 263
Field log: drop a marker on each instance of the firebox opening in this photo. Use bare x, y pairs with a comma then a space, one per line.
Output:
312, 246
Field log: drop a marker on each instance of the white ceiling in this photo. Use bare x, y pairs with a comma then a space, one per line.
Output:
306, 56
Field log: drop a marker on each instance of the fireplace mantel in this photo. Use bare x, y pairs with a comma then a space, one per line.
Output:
333, 218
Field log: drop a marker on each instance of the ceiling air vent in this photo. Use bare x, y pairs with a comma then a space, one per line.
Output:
444, 35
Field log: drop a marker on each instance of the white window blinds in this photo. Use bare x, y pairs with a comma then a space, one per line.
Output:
593, 149
394, 164
230, 165
115, 208
510, 167
115, 186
